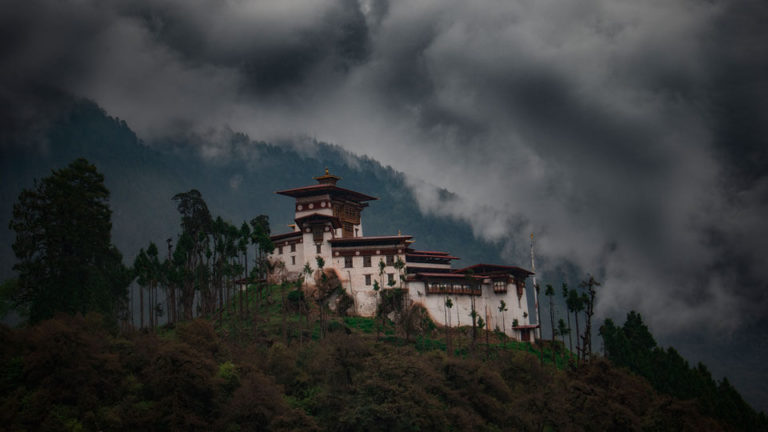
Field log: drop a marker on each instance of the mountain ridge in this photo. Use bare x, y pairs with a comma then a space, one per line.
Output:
238, 182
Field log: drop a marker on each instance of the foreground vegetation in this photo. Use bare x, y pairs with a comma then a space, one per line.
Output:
271, 372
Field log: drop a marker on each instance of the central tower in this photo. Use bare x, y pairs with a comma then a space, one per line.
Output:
325, 205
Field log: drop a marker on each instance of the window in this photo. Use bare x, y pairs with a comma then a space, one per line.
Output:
293, 247
390, 279
367, 261
317, 233
368, 279
500, 286
293, 260
390, 260
317, 247
348, 262
280, 250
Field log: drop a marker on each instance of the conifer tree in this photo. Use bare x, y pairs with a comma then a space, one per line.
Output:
192, 246
589, 284
567, 315
562, 329
66, 259
550, 292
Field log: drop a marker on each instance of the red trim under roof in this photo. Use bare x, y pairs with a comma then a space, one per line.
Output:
326, 188
446, 275
526, 326
414, 251
286, 235
489, 268
369, 239
446, 256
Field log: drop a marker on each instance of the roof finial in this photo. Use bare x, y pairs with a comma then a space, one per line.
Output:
327, 178
399, 233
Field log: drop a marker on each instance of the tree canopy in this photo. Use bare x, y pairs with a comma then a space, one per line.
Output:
633, 346
66, 259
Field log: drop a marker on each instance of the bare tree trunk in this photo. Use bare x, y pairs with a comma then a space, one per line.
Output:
578, 335
130, 297
447, 326
570, 338
153, 306
141, 307
473, 313
285, 313
552, 322
487, 335
240, 288
247, 278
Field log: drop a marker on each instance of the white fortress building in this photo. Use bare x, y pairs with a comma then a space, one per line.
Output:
328, 224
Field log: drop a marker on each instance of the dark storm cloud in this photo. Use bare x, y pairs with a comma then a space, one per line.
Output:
740, 84
629, 136
271, 52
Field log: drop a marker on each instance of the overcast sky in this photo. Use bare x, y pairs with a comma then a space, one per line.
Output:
630, 136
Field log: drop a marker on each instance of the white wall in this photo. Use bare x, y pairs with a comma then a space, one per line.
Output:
353, 280
462, 305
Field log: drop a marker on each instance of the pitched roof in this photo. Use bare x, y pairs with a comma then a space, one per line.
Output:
437, 255
494, 268
328, 188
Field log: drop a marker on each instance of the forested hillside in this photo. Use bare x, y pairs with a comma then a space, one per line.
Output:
274, 370
239, 181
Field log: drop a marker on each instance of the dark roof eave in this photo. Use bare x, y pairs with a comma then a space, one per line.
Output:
319, 217
448, 275
325, 188
285, 235
370, 239
496, 268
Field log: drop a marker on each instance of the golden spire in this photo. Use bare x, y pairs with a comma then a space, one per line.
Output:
327, 178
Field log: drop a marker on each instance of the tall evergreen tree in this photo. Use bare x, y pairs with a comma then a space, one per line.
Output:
549, 291
575, 304
66, 259
191, 248
260, 236
568, 311
589, 285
